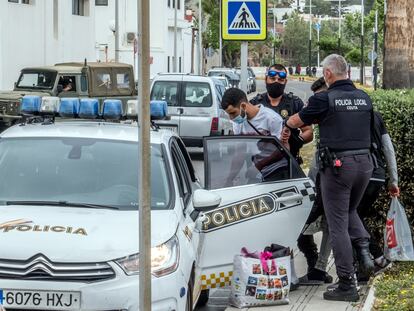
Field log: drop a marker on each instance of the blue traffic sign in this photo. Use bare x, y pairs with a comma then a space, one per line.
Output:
318, 26
244, 20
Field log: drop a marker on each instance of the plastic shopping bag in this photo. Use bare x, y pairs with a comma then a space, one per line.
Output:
260, 281
398, 243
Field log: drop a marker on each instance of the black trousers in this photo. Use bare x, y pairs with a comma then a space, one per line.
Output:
342, 190
366, 210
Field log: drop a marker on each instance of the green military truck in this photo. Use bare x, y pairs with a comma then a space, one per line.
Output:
96, 80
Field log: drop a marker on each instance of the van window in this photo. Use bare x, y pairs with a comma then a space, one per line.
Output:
165, 90
197, 94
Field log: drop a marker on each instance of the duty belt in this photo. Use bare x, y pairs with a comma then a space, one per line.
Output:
351, 152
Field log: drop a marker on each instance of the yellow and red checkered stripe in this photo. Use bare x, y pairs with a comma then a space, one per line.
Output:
215, 280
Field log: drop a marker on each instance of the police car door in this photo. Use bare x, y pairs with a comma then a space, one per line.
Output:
266, 199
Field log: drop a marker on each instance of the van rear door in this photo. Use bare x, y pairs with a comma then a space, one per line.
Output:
200, 113
169, 91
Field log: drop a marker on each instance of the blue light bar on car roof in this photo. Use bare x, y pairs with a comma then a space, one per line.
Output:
69, 107
89, 108
159, 109
30, 104
112, 109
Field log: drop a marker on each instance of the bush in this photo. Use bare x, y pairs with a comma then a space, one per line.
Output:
394, 291
397, 109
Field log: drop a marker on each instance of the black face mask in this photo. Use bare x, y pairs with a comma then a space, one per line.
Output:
275, 89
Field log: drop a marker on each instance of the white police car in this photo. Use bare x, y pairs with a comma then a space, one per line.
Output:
69, 210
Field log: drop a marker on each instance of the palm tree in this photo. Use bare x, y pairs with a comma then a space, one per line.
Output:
396, 73
410, 20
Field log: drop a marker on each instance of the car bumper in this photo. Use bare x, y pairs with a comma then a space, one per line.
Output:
119, 293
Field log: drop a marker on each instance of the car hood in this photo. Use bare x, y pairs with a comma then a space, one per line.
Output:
67, 234
16, 95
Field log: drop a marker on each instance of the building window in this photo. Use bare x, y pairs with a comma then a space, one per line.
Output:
179, 64
168, 64
26, 2
101, 2
80, 7
169, 3
14, 1
178, 4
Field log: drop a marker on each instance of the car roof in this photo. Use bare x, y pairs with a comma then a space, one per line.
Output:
76, 67
85, 129
181, 77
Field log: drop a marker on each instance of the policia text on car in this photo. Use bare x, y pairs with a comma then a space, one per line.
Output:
344, 115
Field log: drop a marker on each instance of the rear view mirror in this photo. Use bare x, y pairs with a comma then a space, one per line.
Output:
204, 200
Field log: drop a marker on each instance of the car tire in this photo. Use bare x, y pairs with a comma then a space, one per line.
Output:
203, 299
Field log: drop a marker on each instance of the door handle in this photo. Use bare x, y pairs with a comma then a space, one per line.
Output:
180, 110
289, 198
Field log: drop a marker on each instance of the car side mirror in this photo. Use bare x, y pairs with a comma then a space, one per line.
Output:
59, 88
204, 200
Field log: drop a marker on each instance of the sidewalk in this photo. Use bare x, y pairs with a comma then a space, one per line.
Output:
307, 298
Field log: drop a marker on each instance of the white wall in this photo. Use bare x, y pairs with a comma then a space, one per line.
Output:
28, 36
161, 32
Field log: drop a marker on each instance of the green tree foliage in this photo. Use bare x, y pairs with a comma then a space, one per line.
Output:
211, 37
295, 39
319, 7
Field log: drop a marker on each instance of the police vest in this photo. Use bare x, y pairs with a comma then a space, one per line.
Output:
285, 109
347, 125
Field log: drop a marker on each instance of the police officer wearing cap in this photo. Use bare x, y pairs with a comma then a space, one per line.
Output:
344, 115
285, 105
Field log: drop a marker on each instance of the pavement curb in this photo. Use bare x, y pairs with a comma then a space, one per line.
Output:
370, 300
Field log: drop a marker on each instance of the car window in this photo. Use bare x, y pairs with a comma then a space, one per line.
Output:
246, 160
197, 94
78, 170
41, 80
122, 80
68, 83
181, 173
103, 80
165, 90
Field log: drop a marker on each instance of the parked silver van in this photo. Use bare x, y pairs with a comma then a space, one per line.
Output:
194, 104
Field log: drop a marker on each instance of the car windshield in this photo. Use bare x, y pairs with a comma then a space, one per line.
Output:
39, 79
78, 171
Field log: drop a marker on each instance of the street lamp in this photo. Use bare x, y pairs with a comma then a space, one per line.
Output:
362, 73
310, 33
340, 22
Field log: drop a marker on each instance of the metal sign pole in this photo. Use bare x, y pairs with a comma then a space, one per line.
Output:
117, 30
200, 39
362, 73
175, 2
243, 67
144, 117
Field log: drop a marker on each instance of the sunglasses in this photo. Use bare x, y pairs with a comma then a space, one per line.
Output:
274, 73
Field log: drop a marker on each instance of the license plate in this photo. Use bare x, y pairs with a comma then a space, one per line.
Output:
45, 300
171, 128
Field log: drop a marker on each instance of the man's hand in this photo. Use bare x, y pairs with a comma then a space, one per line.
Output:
284, 137
394, 190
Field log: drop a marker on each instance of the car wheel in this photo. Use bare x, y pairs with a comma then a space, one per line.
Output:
203, 299
189, 303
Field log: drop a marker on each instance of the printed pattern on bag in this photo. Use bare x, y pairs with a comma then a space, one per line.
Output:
259, 282
214, 281
391, 238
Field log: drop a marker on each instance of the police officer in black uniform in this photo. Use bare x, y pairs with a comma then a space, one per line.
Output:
284, 104
344, 115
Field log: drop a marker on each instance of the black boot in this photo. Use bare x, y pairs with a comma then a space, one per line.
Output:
346, 291
315, 277
365, 263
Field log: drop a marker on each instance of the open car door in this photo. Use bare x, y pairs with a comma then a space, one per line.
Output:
266, 198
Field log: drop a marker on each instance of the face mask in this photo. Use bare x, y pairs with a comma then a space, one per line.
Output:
275, 89
241, 118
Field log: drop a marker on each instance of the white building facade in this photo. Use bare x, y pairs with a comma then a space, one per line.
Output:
44, 32
161, 32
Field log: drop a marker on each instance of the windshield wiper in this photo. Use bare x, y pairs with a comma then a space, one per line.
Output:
61, 203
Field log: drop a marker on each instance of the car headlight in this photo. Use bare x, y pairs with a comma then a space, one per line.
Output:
164, 259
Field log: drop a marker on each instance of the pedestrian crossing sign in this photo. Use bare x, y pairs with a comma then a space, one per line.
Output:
244, 20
